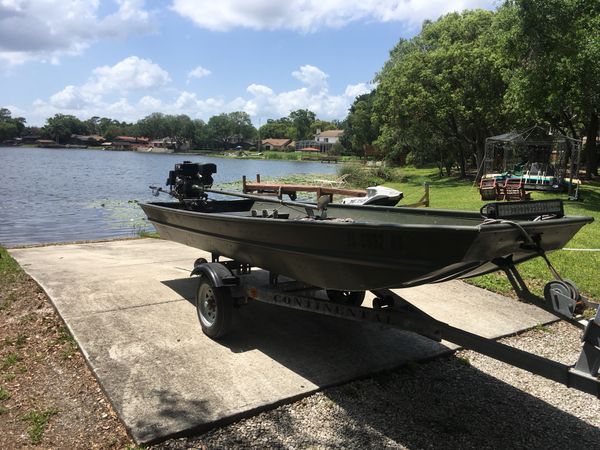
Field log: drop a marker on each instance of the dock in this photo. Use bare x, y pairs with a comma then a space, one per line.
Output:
321, 158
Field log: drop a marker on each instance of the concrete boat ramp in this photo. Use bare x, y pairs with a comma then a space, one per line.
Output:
129, 305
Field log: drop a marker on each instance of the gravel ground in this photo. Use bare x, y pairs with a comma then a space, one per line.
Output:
463, 401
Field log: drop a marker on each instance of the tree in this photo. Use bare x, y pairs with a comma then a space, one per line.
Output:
242, 126
444, 86
8, 130
200, 133
302, 120
322, 125
5, 115
554, 48
360, 128
115, 129
93, 124
109, 128
231, 128
282, 128
153, 126
181, 129
220, 129
60, 127
10, 127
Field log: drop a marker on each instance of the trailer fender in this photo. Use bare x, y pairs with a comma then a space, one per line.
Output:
217, 273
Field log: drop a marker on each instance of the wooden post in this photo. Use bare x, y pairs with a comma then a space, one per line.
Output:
424, 200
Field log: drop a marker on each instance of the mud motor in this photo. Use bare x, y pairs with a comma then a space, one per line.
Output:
188, 180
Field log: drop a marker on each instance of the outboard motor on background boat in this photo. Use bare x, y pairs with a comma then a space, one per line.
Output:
188, 180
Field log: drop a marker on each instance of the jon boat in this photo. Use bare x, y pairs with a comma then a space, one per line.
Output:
356, 248
348, 249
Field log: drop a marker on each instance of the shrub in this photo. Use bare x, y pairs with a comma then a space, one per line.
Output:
384, 173
289, 156
337, 149
361, 176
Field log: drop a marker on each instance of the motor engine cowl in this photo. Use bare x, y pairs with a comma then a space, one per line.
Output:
188, 179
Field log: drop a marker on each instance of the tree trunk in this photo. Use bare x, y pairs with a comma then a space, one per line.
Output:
462, 162
591, 155
440, 162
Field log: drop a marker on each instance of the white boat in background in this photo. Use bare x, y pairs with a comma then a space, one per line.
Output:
376, 195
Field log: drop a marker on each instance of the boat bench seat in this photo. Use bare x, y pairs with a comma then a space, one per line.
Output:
514, 189
490, 189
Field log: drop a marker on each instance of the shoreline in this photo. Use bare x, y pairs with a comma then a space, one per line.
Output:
213, 154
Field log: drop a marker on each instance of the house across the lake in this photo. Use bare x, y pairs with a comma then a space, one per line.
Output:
127, 143
48, 143
323, 141
329, 136
278, 144
92, 139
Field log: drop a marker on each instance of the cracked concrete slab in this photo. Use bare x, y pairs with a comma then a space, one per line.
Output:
129, 306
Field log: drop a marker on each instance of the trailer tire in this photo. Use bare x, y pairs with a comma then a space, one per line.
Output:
350, 298
214, 306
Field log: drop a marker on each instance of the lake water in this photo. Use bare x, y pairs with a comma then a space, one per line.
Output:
62, 195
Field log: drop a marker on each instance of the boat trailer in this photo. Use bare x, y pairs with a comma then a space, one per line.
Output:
224, 285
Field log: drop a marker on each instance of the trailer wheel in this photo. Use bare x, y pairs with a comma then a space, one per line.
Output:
215, 308
350, 298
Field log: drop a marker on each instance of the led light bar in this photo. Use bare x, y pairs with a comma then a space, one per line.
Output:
523, 210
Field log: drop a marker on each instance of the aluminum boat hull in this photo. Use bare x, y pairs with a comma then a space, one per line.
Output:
365, 248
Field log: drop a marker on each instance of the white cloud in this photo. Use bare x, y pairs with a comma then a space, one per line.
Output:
120, 108
149, 103
47, 30
354, 90
198, 72
70, 97
314, 95
126, 77
130, 73
311, 15
259, 89
312, 76
186, 101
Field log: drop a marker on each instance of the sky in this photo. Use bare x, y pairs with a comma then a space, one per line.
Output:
125, 59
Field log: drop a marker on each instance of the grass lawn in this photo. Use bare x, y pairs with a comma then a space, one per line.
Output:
581, 267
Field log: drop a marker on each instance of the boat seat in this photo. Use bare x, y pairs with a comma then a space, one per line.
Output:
514, 189
490, 189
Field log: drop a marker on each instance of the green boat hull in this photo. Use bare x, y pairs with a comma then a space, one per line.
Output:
357, 248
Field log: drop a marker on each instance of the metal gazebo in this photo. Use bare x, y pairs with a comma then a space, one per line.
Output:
545, 160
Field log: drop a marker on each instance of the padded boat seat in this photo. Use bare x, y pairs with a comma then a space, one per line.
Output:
514, 189
490, 189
